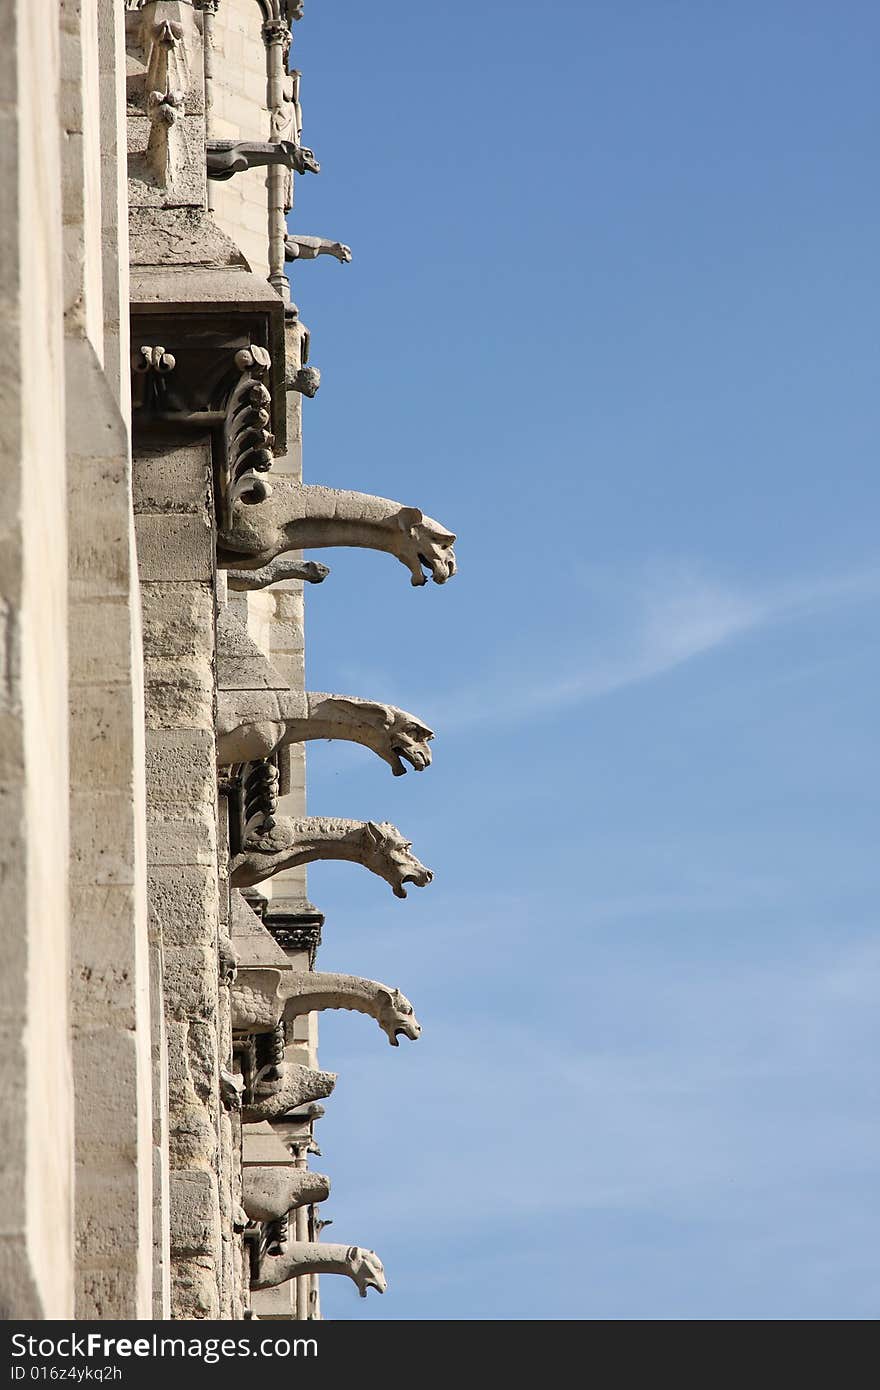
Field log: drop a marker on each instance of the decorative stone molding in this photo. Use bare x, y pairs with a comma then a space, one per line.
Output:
252, 724
277, 31
270, 1192
314, 1257
310, 991
259, 793
378, 847
297, 1085
246, 581
300, 517
248, 440
295, 931
307, 248
226, 158
150, 368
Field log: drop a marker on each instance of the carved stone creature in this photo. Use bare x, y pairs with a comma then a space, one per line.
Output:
300, 517
251, 724
231, 1089
305, 380
297, 1085
226, 158
271, 1191
314, 1257
255, 1000
309, 991
311, 571
378, 847
308, 248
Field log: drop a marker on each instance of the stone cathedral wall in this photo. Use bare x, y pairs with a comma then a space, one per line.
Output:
159, 1066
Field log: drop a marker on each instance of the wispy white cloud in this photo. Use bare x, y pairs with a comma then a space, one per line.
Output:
668, 619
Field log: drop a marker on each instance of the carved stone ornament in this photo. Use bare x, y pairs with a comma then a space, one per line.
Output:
231, 1090
226, 158
314, 1257
247, 438
255, 999
150, 367
166, 147
288, 843
259, 783
308, 248
311, 991
227, 961
306, 380
310, 571
251, 724
271, 1191
300, 517
297, 1085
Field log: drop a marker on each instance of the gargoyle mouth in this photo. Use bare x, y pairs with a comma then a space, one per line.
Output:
439, 570
420, 879
417, 758
401, 1033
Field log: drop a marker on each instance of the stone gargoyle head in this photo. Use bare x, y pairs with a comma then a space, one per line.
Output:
367, 1270
396, 1015
425, 545
306, 162
393, 734
389, 855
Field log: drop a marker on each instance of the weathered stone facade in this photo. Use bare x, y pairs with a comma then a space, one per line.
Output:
160, 998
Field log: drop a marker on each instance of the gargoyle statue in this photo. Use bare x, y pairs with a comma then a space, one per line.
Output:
225, 158
251, 724
378, 847
271, 1191
247, 580
308, 248
297, 1085
300, 517
309, 991
313, 1257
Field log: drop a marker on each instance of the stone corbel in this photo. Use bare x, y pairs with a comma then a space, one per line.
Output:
379, 847
226, 158
362, 1266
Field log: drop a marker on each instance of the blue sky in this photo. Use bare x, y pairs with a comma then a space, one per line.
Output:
612, 317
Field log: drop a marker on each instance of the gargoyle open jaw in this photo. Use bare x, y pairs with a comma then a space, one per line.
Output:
417, 761
420, 880
438, 569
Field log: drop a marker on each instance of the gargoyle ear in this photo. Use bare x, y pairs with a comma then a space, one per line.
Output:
386, 997
409, 517
373, 833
